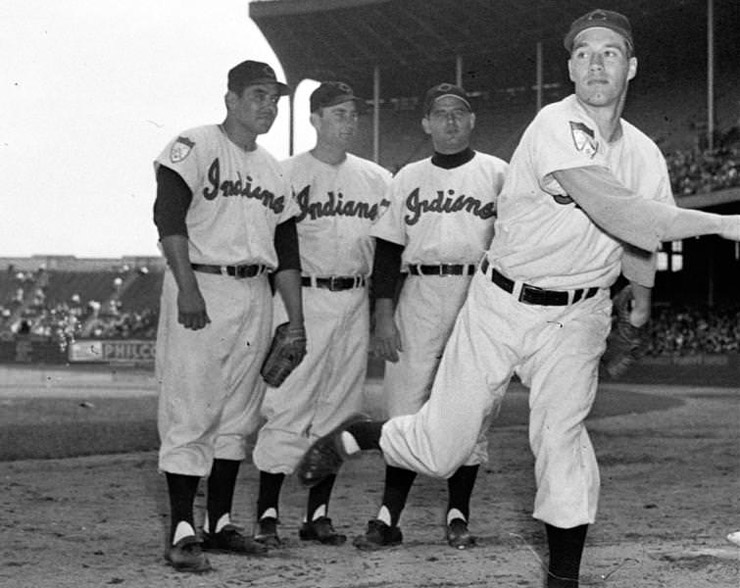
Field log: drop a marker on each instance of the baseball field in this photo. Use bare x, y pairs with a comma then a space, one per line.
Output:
82, 504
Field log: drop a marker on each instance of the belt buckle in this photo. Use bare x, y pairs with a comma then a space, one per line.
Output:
240, 271
333, 284
526, 290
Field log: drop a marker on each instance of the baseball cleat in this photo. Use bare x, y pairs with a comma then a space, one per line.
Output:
378, 536
326, 455
458, 535
187, 556
321, 530
267, 534
231, 540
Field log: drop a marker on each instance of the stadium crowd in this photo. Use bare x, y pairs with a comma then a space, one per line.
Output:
694, 330
699, 171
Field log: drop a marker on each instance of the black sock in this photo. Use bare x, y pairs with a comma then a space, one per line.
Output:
269, 493
366, 433
566, 549
460, 488
182, 490
398, 484
319, 496
221, 484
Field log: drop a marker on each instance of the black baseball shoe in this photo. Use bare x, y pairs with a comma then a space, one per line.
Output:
230, 539
267, 534
187, 556
378, 536
458, 535
326, 455
321, 530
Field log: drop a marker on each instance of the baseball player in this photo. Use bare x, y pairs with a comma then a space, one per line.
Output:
225, 218
587, 196
437, 227
339, 195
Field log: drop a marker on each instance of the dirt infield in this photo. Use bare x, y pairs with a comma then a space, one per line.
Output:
670, 463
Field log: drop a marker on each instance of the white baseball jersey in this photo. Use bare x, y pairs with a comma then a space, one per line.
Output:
544, 239
440, 216
542, 236
232, 189
338, 204
209, 379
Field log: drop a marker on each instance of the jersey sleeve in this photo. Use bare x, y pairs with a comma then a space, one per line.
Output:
389, 225
184, 155
563, 139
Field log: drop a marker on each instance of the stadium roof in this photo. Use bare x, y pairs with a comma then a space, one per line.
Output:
415, 43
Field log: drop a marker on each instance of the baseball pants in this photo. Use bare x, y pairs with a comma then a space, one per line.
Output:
555, 350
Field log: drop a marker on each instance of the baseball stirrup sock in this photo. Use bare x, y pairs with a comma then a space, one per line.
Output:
269, 492
460, 488
318, 497
182, 490
398, 482
566, 549
221, 484
367, 434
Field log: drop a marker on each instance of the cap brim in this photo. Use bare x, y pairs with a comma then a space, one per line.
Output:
460, 98
360, 102
284, 89
570, 38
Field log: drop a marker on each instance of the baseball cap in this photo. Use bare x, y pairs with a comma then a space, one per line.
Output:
443, 91
332, 93
607, 19
251, 73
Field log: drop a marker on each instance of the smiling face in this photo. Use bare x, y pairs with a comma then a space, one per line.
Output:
336, 125
601, 66
450, 123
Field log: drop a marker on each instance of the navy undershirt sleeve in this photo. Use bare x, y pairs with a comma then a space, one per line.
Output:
286, 246
172, 203
386, 268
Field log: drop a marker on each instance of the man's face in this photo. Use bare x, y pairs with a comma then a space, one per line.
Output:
256, 108
336, 125
600, 66
450, 124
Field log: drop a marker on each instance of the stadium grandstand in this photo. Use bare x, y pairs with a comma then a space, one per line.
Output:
508, 55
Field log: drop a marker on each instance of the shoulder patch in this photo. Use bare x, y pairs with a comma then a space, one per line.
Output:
584, 138
181, 148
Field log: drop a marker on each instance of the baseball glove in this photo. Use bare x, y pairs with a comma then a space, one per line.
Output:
287, 350
626, 343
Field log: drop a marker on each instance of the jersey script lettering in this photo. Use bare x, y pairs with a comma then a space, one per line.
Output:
335, 205
228, 188
446, 204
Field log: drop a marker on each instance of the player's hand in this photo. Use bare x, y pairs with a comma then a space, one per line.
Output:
731, 227
191, 309
386, 341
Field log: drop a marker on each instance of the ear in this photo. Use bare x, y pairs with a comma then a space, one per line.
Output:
426, 126
315, 119
570, 70
472, 121
632, 72
230, 99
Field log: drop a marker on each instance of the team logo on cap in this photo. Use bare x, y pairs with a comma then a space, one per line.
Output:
584, 138
181, 149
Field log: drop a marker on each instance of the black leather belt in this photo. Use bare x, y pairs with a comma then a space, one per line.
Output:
442, 269
534, 295
335, 283
235, 271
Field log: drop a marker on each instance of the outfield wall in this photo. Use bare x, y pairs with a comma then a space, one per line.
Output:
697, 369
